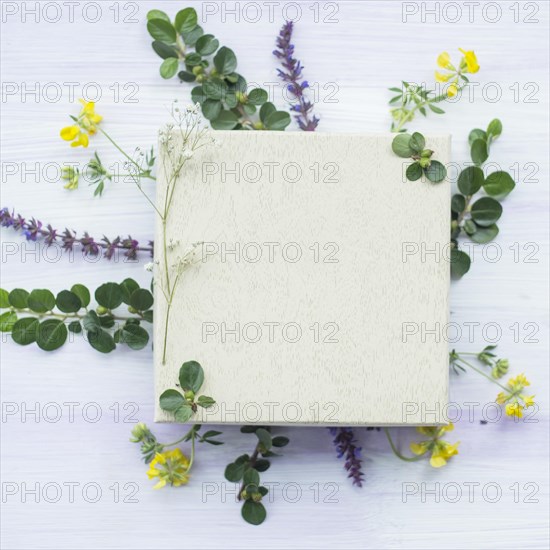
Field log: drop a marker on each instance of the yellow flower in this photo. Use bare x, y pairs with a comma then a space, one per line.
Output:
515, 402
170, 467
441, 450
442, 77
471, 61
444, 60
514, 409
85, 125
452, 90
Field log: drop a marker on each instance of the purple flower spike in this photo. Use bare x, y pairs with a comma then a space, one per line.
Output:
346, 447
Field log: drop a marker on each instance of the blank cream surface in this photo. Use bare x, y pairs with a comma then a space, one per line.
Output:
312, 297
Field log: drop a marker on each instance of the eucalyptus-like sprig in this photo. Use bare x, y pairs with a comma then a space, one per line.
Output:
45, 319
221, 92
247, 468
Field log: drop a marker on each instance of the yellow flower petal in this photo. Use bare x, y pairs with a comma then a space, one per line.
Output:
437, 461
69, 132
444, 60
471, 61
442, 77
419, 448
514, 409
452, 90
529, 400
160, 484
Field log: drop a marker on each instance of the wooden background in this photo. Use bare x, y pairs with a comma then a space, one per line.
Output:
353, 51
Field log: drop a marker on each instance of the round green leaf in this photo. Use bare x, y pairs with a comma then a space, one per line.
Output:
106, 321
18, 298
109, 295
192, 60
483, 235
24, 331
186, 76
68, 302
225, 61
211, 109
198, 95
148, 316
157, 14
128, 287
262, 465
7, 321
400, 145
417, 142
191, 37
494, 129
414, 171
169, 67
164, 50
75, 326
207, 44
101, 340
265, 110
41, 300
251, 476
234, 472
280, 441
141, 299
470, 180
162, 30
486, 211
4, 299
253, 512
186, 20
479, 151
249, 109
470, 227
499, 184
460, 263
205, 401
435, 172
226, 120
51, 334
184, 413
265, 437
90, 322
134, 336
277, 121
214, 88
83, 293
476, 133
257, 96
171, 400
191, 376
458, 203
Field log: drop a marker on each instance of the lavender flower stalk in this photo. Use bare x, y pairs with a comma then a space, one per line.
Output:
346, 447
292, 74
34, 229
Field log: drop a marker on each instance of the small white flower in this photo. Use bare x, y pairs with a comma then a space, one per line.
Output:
149, 266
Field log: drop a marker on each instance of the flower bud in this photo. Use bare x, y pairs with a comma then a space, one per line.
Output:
197, 69
189, 395
424, 162
132, 309
101, 310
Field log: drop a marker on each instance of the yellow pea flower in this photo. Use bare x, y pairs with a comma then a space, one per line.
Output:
444, 60
441, 450
170, 467
442, 77
85, 125
471, 60
468, 64
452, 90
515, 402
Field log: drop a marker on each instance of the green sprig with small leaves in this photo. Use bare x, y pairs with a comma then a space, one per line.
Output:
413, 147
247, 468
46, 319
221, 91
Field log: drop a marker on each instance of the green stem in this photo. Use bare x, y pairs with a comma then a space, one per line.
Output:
482, 373
179, 440
65, 316
398, 454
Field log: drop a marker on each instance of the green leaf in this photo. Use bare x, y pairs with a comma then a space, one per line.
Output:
470, 180
486, 211
253, 512
483, 235
266, 110
249, 109
75, 326
191, 376
226, 120
204, 401
257, 96
460, 263
277, 121
192, 60
211, 109
215, 88
83, 293
134, 336
186, 20
148, 316
186, 76
414, 171
101, 341
184, 413
109, 295
51, 334
198, 95
169, 67
207, 44
68, 302
251, 476
225, 61
24, 331
7, 321
18, 298
128, 287
436, 110
479, 152
164, 50
262, 465
157, 14
499, 184
494, 129
162, 30
435, 172
41, 300
476, 133
171, 400
280, 441
234, 472
400, 146
458, 203
141, 299
470, 227
90, 321
190, 38
265, 437
4, 300
417, 142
